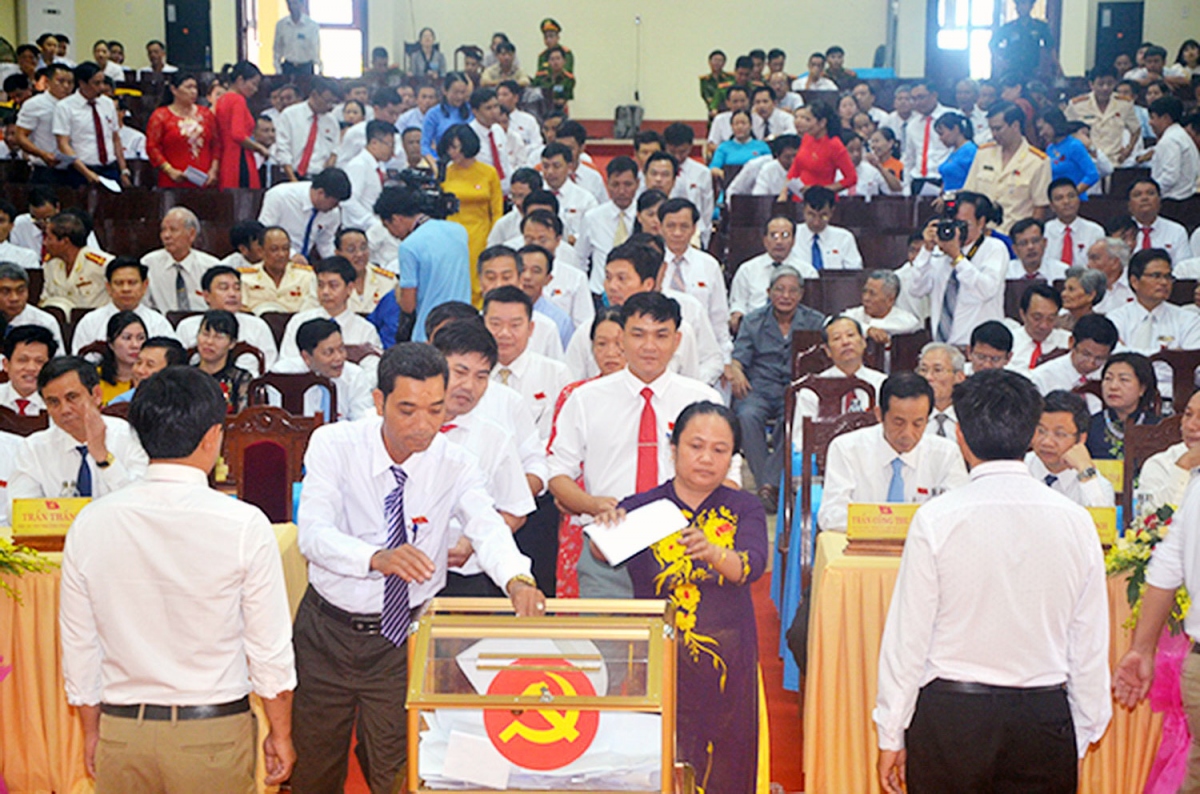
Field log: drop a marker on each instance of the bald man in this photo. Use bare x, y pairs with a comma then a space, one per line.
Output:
176, 268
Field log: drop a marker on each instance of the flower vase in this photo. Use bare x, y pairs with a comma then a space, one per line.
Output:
1170, 763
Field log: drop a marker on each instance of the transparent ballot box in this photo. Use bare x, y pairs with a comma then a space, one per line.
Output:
582, 699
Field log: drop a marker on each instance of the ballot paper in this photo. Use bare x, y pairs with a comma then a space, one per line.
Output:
195, 176
640, 529
65, 160
112, 185
473, 759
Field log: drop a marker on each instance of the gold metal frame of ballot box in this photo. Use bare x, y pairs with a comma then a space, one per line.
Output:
651, 621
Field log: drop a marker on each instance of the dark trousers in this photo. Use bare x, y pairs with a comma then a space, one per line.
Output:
1006, 742
298, 68
479, 585
754, 411
538, 540
346, 680
72, 178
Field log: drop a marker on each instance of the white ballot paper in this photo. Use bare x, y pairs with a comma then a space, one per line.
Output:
111, 185
641, 528
195, 176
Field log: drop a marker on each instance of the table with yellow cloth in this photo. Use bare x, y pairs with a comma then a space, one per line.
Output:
851, 595
41, 738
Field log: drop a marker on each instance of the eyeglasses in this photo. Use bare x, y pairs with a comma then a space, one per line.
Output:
787, 292
1057, 435
936, 369
1159, 276
779, 235
982, 358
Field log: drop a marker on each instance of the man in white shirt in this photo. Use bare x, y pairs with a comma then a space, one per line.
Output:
126, 281
526, 126
923, 149
815, 80
374, 525
605, 227
827, 247
1032, 261
307, 134
15, 308
246, 237
1060, 457
367, 173
1092, 341
966, 96
323, 353
567, 287
990, 347
944, 366
156, 54
74, 270
492, 137
86, 128
766, 118
82, 453
297, 42
968, 678
878, 314
902, 113
1153, 230
34, 131
236, 638
28, 229
693, 271
771, 175
894, 461
386, 106
753, 277
427, 97
573, 201
335, 283
964, 275
222, 289
1068, 236
845, 345
26, 350
308, 211
524, 181
1110, 256
599, 429
176, 268
508, 315
1036, 335
585, 175
693, 181
737, 97
1175, 165
499, 266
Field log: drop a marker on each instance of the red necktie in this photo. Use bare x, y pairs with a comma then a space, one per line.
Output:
1033, 275
1068, 252
302, 169
925, 146
495, 154
1145, 237
22, 404
446, 428
101, 148
647, 454
382, 178
1037, 354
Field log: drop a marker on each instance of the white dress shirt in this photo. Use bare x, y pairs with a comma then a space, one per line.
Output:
93, 326
1188, 268
291, 136
568, 290
539, 380
839, 249
73, 118
694, 183
743, 183
356, 330
771, 179
164, 547
587, 177
545, 339
32, 315
1084, 234
721, 128
354, 387
703, 278
748, 291
896, 321
915, 152
19, 255
133, 143
1176, 164
804, 83
979, 126
1096, 492
780, 123
289, 205
251, 329
527, 128
597, 230
917, 305
942, 423
48, 463
1165, 233
508, 227
505, 406
710, 356
342, 520
1161, 482
500, 138
1060, 375
26, 234
980, 287
1031, 611
573, 202
367, 176
899, 128
36, 117
297, 42
9, 397
163, 268
859, 469
1049, 269
354, 138
1116, 295
1023, 346
1168, 327
870, 183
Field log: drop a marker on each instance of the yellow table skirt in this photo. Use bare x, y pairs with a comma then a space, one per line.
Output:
850, 602
41, 739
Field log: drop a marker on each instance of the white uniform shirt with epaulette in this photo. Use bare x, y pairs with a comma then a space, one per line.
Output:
84, 285
379, 282
296, 292
1107, 126
1018, 186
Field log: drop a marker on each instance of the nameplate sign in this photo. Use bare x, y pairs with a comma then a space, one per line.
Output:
1106, 524
45, 518
1113, 471
887, 521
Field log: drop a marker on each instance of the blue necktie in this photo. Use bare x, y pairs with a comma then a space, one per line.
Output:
896, 486
396, 617
325, 404
1050, 480
83, 480
308, 233
818, 259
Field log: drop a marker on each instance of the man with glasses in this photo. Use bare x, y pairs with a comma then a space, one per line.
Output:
944, 366
749, 289
1092, 341
991, 347
1060, 457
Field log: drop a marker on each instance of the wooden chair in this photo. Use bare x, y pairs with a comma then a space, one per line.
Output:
264, 448
1183, 364
1014, 288
97, 348
118, 410
832, 392
1141, 442
1048, 357
357, 353
1183, 291
237, 351
808, 356
13, 422
37, 281
1092, 387
292, 388
176, 317
906, 350
277, 321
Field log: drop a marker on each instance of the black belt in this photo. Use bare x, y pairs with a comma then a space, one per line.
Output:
364, 624
160, 713
972, 688
1196, 647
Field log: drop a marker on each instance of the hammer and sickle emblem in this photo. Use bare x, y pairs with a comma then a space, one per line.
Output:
562, 724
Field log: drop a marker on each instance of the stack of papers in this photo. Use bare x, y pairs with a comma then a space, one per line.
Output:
641, 529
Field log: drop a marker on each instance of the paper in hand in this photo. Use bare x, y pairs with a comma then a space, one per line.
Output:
112, 185
195, 176
65, 160
641, 528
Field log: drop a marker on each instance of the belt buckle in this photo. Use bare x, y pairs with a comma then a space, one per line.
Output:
365, 626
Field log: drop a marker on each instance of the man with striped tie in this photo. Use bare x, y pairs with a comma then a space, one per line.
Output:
374, 525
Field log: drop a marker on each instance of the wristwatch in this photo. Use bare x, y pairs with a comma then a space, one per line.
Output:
523, 579
108, 461
1087, 474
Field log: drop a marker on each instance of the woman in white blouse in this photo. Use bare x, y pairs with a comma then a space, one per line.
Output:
1165, 476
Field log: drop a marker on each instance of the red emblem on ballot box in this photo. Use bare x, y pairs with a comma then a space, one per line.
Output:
541, 739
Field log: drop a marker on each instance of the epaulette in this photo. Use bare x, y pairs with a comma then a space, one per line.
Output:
1038, 152
92, 256
248, 270
988, 145
379, 271
1082, 98
568, 74
299, 266
724, 85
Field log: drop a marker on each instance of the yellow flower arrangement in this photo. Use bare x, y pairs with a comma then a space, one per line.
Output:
1132, 553
17, 560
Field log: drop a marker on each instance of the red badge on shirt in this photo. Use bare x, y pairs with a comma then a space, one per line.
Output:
540, 395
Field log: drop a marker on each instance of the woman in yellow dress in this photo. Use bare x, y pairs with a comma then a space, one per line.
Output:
477, 186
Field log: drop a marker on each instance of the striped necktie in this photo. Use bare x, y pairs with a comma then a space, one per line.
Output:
397, 614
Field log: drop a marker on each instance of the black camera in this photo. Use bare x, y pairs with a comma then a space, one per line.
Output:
431, 199
949, 225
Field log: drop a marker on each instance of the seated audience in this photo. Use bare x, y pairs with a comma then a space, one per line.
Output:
741, 148
157, 353
1092, 341
10, 251
29, 227
878, 314
1033, 261
1165, 476
1068, 236
845, 345
214, 343
753, 277
322, 352
766, 176
156, 54
126, 280
124, 337
75, 271
693, 271
766, 117
26, 350
1037, 334
893, 461
1083, 289
277, 281
176, 268
1110, 256
222, 288
308, 211
1060, 456
246, 237
990, 348
335, 284
944, 366
828, 247
815, 79
15, 308
871, 181
371, 282
1130, 394
1153, 230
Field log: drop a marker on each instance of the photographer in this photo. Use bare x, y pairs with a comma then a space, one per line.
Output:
961, 268
435, 263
